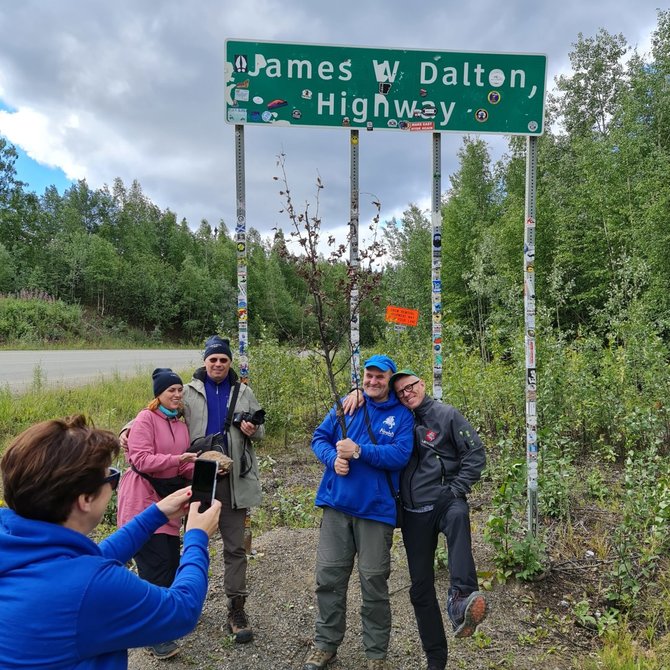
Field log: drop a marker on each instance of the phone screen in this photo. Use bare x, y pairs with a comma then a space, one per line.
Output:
204, 482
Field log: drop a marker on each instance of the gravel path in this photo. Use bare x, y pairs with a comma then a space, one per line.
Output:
282, 612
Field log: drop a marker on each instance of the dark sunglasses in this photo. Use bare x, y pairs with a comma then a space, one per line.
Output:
406, 389
218, 360
113, 478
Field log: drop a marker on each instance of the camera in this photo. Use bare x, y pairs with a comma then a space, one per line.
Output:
257, 418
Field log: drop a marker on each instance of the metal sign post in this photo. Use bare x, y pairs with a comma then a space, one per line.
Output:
436, 219
301, 85
241, 242
354, 263
529, 310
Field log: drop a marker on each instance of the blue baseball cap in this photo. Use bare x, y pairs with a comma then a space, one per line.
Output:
382, 362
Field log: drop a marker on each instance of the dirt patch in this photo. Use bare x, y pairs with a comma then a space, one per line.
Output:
528, 627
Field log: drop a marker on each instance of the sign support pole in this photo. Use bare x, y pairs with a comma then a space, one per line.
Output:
354, 264
436, 219
529, 310
241, 242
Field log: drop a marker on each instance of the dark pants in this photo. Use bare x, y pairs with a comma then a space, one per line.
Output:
420, 532
157, 561
231, 525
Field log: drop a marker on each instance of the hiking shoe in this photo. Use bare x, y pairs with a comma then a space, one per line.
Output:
319, 659
377, 664
238, 624
164, 650
466, 612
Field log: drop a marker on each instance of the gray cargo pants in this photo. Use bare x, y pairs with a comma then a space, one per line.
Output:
341, 538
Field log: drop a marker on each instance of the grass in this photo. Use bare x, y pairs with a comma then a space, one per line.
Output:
110, 402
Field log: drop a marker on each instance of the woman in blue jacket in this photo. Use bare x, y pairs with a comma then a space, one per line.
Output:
70, 603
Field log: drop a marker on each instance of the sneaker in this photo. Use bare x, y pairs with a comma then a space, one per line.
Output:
238, 623
377, 664
319, 659
164, 650
466, 612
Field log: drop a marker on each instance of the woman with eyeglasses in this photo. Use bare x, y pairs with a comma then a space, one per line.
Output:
68, 602
157, 453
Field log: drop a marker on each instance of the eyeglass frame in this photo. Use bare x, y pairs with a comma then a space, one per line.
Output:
221, 360
112, 478
403, 391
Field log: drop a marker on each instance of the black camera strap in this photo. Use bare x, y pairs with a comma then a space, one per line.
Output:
231, 408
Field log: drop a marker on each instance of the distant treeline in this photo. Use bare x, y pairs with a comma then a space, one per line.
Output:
602, 243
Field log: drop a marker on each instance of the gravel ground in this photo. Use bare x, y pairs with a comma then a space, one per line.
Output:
517, 635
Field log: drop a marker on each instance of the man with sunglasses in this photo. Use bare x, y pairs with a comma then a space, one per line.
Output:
66, 601
447, 459
210, 399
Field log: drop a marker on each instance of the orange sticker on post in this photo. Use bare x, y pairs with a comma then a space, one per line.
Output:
402, 315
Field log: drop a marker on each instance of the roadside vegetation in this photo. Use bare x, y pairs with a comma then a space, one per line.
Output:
604, 469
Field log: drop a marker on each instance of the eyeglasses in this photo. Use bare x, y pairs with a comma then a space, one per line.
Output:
218, 360
406, 389
112, 478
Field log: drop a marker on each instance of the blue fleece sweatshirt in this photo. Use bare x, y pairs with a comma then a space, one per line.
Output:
364, 492
69, 603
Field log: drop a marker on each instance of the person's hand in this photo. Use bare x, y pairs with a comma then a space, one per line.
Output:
123, 437
346, 448
248, 428
207, 520
352, 401
175, 505
188, 457
341, 466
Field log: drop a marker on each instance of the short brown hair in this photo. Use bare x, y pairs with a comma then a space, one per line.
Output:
50, 464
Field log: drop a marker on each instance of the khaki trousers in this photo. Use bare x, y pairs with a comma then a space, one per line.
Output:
342, 537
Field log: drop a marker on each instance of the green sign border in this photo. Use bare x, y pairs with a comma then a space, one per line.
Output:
312, 85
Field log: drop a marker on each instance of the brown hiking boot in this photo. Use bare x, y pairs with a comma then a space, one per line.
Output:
237, 620
466, 612
319, 659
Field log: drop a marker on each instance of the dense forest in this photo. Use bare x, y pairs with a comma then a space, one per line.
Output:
603, 233
603, 322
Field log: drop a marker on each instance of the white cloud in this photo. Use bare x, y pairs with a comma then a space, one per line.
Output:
42, 140
134, 89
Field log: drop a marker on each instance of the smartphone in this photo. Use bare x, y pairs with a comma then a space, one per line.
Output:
204, 482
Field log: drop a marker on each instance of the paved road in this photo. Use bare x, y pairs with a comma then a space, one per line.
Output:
18, 369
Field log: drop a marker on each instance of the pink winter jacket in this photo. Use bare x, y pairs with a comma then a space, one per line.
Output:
154, 446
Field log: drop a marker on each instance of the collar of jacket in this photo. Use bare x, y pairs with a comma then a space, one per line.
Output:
424, 406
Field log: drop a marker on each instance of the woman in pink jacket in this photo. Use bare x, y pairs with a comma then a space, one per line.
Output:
156, 448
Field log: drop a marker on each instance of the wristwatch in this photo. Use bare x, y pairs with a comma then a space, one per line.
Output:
357, 452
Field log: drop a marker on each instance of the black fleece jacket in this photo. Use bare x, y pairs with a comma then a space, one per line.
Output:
447, 459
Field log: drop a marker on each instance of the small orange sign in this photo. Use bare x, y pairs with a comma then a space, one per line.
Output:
402, 315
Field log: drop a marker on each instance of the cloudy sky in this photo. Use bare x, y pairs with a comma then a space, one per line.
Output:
93, 89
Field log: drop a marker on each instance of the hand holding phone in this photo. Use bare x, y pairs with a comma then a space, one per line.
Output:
204, 482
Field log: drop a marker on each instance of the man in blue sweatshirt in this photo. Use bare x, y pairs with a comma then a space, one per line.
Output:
359, 513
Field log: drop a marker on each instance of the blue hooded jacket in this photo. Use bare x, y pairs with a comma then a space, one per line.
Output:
69, 603
364, 492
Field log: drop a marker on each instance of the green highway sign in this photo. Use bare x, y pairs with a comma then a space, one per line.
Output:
275, 83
